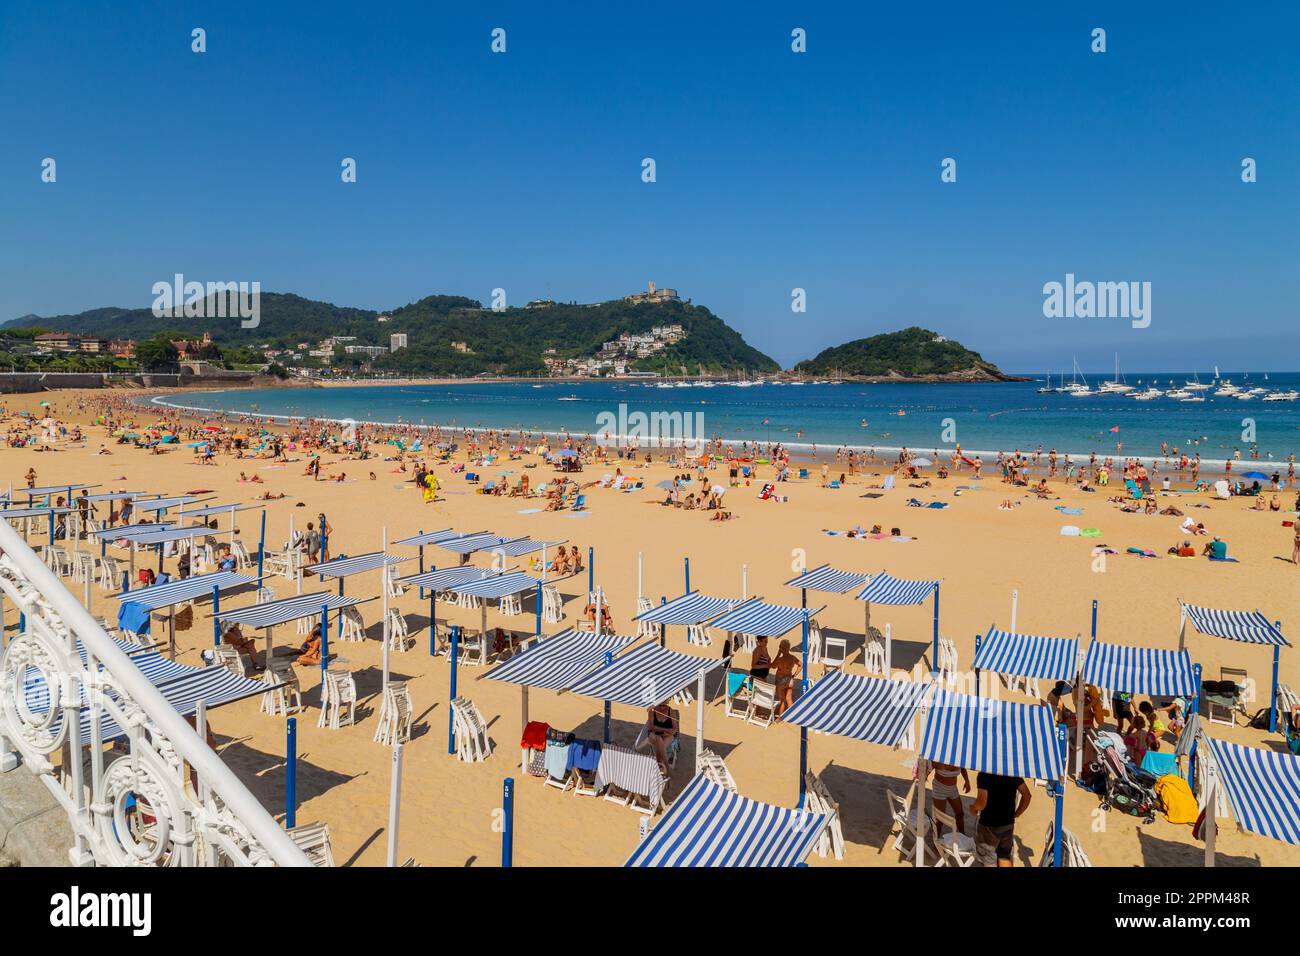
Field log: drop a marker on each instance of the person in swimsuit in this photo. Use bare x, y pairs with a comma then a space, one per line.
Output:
945, 790
761, 661
661, 729
787, 668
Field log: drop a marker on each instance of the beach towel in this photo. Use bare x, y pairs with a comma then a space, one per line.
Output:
1091, 532
134, 617
1160, 763
872, 494
1176, 799
937, 504
1069, 511
1070, 531
534, 737
557, 760
1141, 553
1222, 560
584, 755
735, 681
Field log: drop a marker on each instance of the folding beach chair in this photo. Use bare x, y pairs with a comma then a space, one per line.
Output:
230, 659
285, 695
955, 848
903, 814
762, 704
314, 840
819, 800
714, 769
834, 653
395, 714
398, 633
338, 696
1071, 850
738, 694
1229, 704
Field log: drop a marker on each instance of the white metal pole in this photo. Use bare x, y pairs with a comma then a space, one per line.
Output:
889, 650
1015, 604
699, 719
1211, 798
922, 789
1182, 628
385, 590
1081, 692
394, 804
523, 707
744, 582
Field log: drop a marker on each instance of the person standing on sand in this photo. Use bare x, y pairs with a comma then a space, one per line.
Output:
1295, 548
998, 803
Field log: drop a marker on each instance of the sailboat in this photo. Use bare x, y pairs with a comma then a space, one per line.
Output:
1195, 385
1047, 389
1077, 389
1116, 387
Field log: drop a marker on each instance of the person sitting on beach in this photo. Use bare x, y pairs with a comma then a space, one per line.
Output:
1184, 550
1216, 550
245, 645
661, 727
309, 652
606, 617
787, 667
227, 562
1155, 725
760, 662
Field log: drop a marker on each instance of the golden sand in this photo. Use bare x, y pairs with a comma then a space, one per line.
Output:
980, 553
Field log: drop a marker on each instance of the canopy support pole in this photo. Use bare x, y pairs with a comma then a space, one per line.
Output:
523, 725
686, 568
1211, 798
889, 650
291, 773
1060, 798
451, 710
508, 823
699, 719
384, 586
935, 660
1272, 703
803, 728
1015, 606
609, 662
1080, 700
394, 804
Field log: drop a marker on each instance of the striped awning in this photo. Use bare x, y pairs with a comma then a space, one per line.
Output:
1024, 655
428, 537
132, 531
873, 709
178, 592
469, 543
161, 504
181, 684
690, 608
517, 549
709, 825
162, 535
445, 579
1263, 788
495, 585
1249, 627
559, 661
114, 495
1139, 670
34, 512
991, 736
271, 613
346, 567
215, 510
761, 619
887, 589
830, 580
643, 677
49, 490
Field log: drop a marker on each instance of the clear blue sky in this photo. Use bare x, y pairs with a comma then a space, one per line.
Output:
775, 170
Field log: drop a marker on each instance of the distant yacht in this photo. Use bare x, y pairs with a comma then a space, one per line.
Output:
1076, 388
1117, 386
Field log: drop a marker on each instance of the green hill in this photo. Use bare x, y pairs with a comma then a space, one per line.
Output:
913, 353
509, 342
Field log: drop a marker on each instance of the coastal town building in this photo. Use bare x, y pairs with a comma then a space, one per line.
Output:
397, 341
654, 294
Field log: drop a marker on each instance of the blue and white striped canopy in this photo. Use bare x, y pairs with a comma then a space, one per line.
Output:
271, 613
1263, 788
495, 585
1249, 627
34, 512
559, 661
214, 510
115, 495
469, 543
161, 504
761, 619
709, 825
1139, 670
346, 567
132, 531
691, 608
1023, 655
178, 592
428, 537
163, 535
643, 677
873, 709
445, 579
992, 736
182, 685
887, 589
49, 490
828, 579
517, 549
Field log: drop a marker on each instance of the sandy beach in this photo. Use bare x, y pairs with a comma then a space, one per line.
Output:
980, 553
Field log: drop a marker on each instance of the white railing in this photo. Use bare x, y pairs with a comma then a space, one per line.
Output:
171, 824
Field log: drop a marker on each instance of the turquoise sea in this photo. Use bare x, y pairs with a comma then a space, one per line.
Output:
985, 418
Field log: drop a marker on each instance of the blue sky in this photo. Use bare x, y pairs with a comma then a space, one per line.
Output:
775, 170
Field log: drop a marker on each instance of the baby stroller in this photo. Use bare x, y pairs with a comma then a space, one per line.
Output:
1128, 788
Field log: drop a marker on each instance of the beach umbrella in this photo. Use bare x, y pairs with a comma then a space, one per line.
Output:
1255, 475
922, 462
666, 484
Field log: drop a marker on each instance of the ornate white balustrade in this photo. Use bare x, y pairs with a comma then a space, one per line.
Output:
134, 804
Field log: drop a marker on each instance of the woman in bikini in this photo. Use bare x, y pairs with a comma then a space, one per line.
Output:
661, 729
787, 667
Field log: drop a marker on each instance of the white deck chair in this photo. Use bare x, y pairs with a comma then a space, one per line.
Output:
873, 656
955, 848
814, 643
471, 647
472, 742
510, 605
398, 633
645, 628
241, 555
109, 575
395, 587
286, 698
338, 699
552, 604
762, 705
395, 714
1071, 850
354, 628
230, 659
698, 634
746, 642
834, 654
737, 704
714, 769
314, 840
265, 595
903, 815
819, 800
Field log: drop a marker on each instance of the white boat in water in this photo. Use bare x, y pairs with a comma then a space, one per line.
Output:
1117, 386
1282, 396
1151, 393
1179, 393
